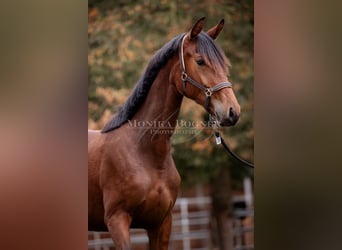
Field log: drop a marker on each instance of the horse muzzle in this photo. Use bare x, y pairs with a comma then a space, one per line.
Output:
231, 119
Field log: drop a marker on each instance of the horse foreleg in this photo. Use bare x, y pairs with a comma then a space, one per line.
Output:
159, 237
118, 226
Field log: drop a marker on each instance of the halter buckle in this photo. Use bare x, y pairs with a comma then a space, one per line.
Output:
184, 76
208, 92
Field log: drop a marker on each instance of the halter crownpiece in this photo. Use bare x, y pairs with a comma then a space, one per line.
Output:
185, 78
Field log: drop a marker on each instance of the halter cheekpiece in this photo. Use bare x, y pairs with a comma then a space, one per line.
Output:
185, 78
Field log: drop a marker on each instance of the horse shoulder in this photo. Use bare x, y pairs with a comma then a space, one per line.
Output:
123, 179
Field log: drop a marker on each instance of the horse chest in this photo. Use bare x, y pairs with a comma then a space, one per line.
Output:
159, 198
156, 206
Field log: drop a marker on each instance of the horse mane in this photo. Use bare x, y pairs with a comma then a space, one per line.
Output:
206, 46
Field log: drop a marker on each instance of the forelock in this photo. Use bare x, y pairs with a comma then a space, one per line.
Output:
211, 52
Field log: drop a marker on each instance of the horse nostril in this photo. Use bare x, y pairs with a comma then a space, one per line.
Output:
232, 113
233, 116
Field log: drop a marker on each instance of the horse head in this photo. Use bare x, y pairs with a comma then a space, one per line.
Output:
203, 70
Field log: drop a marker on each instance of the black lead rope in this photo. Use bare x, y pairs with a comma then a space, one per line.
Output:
220, 140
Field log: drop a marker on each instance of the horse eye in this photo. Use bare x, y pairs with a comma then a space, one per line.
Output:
200, 62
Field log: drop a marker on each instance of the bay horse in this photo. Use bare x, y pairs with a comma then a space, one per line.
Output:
132, 179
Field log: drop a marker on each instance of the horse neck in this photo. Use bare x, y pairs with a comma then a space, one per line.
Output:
161, 108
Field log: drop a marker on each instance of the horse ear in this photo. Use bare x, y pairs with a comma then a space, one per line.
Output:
197, 28
215, 31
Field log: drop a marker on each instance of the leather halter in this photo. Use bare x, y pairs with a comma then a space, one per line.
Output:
185, 78
208, 93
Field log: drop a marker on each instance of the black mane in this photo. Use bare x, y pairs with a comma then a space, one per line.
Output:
205, 46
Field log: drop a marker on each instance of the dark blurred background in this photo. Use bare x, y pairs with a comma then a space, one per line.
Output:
44, 118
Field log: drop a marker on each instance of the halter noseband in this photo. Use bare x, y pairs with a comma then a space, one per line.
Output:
185, 78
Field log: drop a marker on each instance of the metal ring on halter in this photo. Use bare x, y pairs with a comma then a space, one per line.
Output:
184, 76
208, 92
